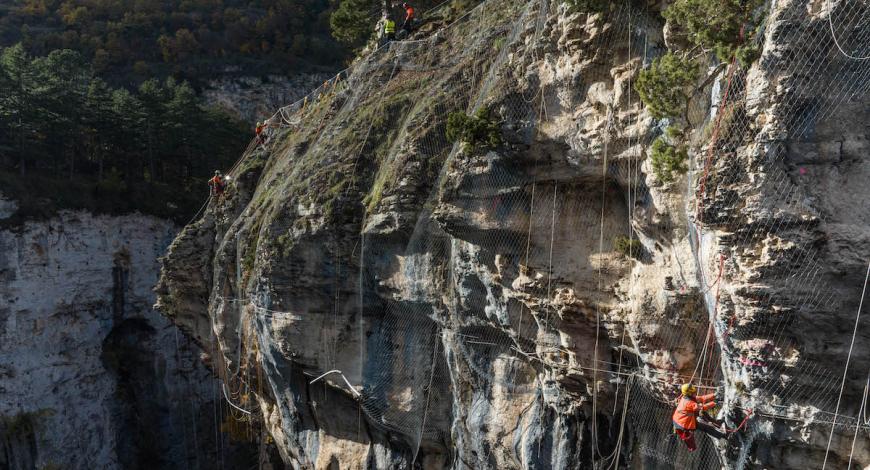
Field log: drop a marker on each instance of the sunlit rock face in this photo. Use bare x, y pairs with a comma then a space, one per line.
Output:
469, 303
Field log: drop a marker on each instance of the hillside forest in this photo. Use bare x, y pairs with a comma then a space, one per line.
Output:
99, 99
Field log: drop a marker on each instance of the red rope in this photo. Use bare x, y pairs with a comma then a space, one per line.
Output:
742, 423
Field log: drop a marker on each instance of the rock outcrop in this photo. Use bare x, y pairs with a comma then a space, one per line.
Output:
255, 98
384, 298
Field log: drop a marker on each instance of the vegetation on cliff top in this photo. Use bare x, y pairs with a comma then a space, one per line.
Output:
352, 23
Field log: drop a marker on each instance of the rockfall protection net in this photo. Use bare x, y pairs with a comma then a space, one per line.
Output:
484, 221
818, 86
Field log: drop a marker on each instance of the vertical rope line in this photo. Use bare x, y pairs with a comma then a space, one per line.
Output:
619, 366
632, 167
846, 369
861, 411
615, 463
362, 357
214, 405
428, 396
595, 449
194, 421
550, 267
337, 287
531, 223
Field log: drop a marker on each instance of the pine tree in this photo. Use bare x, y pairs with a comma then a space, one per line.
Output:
17, 103
353, 22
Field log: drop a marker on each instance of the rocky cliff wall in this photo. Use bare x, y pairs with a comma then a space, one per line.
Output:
255, 98
90, 375
470, 304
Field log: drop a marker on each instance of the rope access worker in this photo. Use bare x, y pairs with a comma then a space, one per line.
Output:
409, 17
389, 29
217, 184
261, 138
686, 415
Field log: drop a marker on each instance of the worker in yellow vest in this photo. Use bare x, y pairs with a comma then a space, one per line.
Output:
389, 29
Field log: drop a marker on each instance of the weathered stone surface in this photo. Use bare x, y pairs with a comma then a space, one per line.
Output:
257, 98
90, 375
467, 293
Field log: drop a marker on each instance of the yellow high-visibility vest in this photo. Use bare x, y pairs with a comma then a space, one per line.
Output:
389, 27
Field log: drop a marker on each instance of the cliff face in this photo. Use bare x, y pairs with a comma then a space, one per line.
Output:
90, 375
470, 304
253, 98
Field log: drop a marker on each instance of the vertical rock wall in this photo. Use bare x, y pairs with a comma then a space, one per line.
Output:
469, 304
90, 375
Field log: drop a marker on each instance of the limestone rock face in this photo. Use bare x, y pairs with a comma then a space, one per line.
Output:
256, 98
382, 297
90, 375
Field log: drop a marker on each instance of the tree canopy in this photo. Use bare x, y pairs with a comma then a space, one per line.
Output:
664, 86
136, 40
723, 26
353, 21
69, 137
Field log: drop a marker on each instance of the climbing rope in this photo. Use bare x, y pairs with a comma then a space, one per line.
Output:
834, 34
846, 368
337, 372
862, 413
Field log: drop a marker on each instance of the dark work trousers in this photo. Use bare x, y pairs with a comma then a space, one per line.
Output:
711, 430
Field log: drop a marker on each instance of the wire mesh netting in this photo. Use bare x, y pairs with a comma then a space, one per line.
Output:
479, 224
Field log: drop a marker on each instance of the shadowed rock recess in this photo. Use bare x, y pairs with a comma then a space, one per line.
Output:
474, 306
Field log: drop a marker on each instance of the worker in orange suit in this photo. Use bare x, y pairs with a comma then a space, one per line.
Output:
686, 415
261, 138
217, 184
410, 17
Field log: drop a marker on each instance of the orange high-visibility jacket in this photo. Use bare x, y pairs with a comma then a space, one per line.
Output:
217, 182
688, 409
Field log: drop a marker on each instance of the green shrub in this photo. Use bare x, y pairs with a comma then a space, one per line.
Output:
589, 6
662, 87
630, 247
667, 160
478, 131
715, 24
674, 133
746, 55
